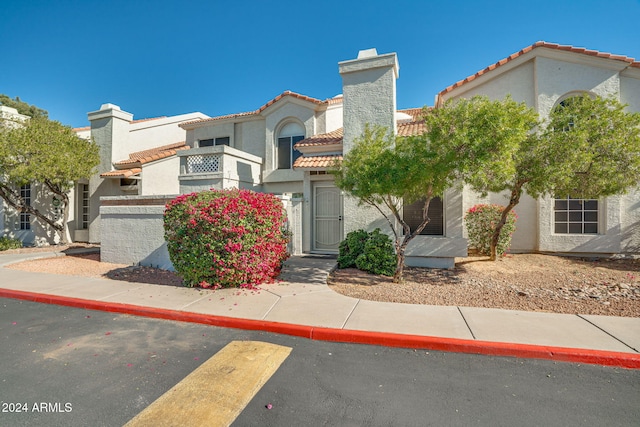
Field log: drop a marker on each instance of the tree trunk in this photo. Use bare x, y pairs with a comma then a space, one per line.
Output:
398, 277
516, 192
13, 199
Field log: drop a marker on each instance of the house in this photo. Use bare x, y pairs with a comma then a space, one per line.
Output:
23, 225
543, 75
288, 145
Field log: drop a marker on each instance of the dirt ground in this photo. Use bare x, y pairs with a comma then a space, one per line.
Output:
530, 282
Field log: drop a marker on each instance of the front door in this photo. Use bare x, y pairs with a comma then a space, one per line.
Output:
327, 218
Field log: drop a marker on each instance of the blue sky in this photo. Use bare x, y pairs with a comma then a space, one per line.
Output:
161, 58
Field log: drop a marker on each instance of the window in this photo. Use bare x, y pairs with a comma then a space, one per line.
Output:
214, 141
84, 206
25, 218
576, 216
128, 183
412, 215
287, 138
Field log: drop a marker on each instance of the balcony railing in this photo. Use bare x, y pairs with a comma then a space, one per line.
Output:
218, 167
203, 163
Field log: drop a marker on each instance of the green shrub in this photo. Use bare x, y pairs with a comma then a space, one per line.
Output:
9, 243
481, 221
226, 238
371, 252
351, 247
378, 256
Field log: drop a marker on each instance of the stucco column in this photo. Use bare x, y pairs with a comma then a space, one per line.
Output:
369, 90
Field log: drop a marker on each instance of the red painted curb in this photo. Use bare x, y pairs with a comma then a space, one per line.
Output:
564, 354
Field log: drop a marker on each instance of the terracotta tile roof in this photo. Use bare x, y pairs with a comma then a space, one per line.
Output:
330, 138
316, 162
329, 101
82, 129
125, 173
411, 128
414, 127
157, 153
631, 61
416, 113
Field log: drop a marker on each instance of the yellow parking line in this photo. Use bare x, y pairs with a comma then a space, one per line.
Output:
218, 390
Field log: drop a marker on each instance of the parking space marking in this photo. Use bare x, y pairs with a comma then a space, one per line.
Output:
218, 390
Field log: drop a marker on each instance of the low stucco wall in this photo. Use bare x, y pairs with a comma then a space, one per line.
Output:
133, 229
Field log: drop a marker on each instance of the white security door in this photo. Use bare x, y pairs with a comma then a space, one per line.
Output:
327, 218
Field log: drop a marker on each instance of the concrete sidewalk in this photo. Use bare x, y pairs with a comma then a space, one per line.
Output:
303, 303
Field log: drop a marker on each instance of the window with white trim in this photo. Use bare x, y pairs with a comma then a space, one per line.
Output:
84, 206
287, 138
25, 217
575, 216
225, 140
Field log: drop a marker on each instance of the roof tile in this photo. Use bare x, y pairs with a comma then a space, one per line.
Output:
330, 138
631, 61
125, 173
316, 162
329, 101
157, 153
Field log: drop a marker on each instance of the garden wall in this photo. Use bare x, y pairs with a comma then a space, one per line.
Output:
132, 229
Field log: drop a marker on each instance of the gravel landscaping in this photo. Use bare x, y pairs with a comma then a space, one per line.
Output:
530, 282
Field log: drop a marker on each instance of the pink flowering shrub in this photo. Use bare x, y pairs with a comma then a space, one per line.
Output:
481, 221
228, 238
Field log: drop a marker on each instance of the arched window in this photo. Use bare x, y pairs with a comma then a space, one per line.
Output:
288, 135
572, 215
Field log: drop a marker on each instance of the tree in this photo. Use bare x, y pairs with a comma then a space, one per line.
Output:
462, 139
23, 107
48, 153
588, 148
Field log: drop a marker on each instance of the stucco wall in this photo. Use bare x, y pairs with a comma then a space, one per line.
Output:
220, 130
630, 89
133, 233
155, 133
516, 82
287, 111
525, 238
542, 81
133, 229
630, 222
555, 78
160, 177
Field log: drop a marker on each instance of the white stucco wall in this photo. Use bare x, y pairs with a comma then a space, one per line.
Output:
220, 130
542, 80
516, 82
333, 117
160, 177
525, 238
555, 78
149, 134
630, 88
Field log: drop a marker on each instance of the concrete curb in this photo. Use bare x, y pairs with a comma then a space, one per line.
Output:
562, 354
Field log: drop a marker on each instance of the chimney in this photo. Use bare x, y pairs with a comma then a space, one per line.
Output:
369, 89
110, 130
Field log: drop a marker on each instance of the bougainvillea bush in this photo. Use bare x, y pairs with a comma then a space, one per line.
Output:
226, 238
481, 221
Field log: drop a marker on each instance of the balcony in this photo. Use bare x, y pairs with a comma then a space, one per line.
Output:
218, 167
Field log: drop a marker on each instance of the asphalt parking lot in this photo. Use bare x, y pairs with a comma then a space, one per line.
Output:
75, 367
